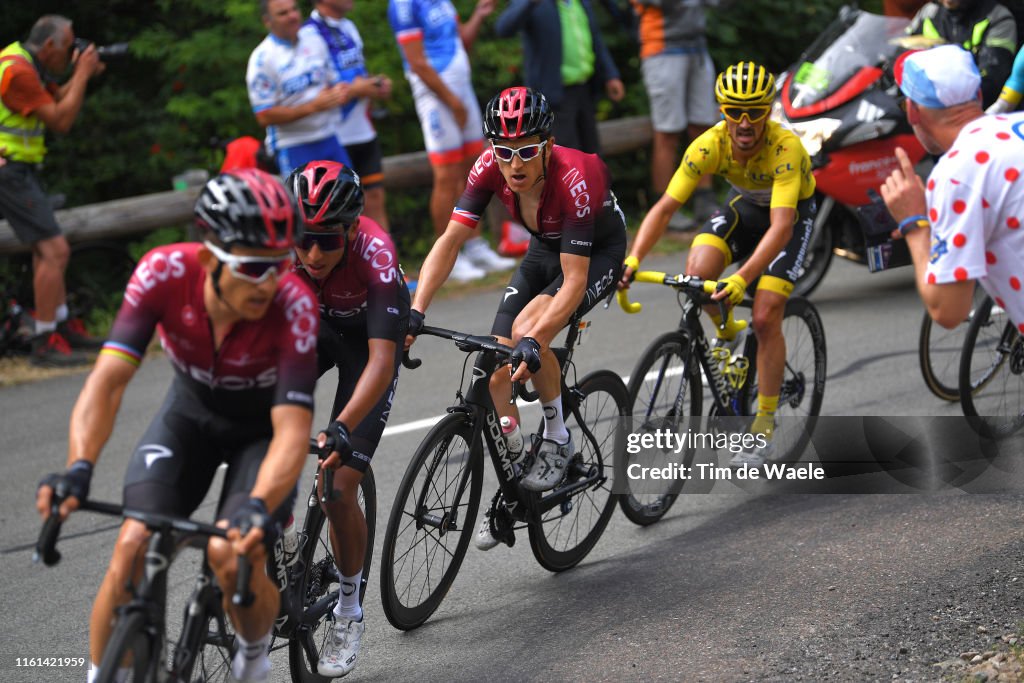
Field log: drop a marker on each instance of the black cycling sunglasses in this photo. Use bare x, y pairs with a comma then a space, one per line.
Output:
327, 241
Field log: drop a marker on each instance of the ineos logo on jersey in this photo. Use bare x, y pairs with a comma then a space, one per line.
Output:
579, 192
263, 380
299, 311
485, 161
155, 268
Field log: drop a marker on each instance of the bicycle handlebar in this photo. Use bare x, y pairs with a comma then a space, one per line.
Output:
692, 285
330, 494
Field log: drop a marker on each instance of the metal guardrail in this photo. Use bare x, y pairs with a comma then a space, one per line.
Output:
137, 215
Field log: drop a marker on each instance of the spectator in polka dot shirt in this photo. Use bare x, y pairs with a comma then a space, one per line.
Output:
964, 224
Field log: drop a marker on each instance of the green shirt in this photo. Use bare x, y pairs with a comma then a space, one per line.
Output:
577, 43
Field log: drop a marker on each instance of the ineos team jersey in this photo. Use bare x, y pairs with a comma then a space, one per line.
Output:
366, 290
576, 187
260, 363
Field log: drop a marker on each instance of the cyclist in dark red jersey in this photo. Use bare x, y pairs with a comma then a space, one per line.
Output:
564, 199
351, 264
240, 331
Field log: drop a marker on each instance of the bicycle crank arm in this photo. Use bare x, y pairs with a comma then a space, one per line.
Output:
591, 477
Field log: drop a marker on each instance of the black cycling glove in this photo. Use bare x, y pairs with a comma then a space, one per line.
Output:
415, 322
338, 439
253, 514
526, 351
73, 482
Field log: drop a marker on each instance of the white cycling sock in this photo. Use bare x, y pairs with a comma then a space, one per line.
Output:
554, 425
62, 313
94, 670
251, 661
348, 608
42, 327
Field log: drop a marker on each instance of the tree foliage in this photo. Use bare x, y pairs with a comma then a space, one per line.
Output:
153, 115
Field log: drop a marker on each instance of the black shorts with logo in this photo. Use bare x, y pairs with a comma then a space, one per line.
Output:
540, 272
367, 161
25, 205
174, 464
741, 224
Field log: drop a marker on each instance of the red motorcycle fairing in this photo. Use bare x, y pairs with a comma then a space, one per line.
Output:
852, 171
856, 86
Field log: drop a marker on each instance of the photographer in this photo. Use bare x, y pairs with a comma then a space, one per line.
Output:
31, 102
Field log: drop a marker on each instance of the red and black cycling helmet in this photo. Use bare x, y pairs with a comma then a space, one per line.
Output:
518, 112
330, 194
248, 208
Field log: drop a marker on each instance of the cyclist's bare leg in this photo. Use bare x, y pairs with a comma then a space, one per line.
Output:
449, 183
49, 261
126, 564
769, 307
547, 381
347, 522
253, 622
707, 263
375, 208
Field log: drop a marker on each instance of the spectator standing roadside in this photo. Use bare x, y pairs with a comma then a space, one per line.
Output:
680, 80
964, 224
985, 28
344, 46
565, 58
30, 104
433, 43
290, 88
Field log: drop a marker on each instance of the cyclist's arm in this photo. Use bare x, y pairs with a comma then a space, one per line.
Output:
653, 226
374, 381
774, 241
439, 263
566, 300
947, 303
420, 65
92, 420
286, 455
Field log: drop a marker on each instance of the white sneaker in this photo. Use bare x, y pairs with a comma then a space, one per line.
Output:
485, 540
755, 457
341, 648
464, 270
482, 256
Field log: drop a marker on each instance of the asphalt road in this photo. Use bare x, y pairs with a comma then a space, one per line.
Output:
756, 586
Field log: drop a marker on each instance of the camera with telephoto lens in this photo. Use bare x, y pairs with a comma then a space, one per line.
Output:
106, 52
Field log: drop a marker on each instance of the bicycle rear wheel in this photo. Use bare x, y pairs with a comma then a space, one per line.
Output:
596, 411
938, 351
320, 582
991, 369
664, 389
431, 522
131, 647
803, 379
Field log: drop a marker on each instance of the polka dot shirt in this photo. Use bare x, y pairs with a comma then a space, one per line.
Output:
976, 206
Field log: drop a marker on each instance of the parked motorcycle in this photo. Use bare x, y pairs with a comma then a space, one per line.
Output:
840, 98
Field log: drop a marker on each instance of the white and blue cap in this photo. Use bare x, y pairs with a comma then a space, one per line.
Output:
940, 77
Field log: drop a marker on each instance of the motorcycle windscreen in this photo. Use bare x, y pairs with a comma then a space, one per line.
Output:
851, 49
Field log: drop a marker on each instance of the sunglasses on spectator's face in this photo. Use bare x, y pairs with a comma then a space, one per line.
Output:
254, 269
753, 114
327, 241
526, 153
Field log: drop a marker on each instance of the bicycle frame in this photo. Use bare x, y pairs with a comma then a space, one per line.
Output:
478, 406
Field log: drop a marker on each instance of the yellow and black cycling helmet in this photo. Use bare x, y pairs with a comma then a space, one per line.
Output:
745, 84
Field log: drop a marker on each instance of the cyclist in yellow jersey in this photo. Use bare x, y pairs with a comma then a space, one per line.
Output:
767, 220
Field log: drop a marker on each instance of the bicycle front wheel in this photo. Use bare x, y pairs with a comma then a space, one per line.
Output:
130, 647
803, 378
321, 580
664, 389
938, 351
991, 368
431, 522
596, 411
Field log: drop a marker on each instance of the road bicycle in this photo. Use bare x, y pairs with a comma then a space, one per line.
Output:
666, 392
205, 646
938, 352
436, 505
992, 373
97, 273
